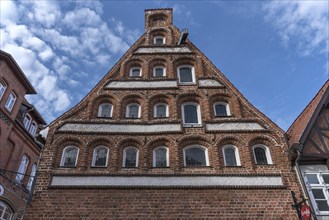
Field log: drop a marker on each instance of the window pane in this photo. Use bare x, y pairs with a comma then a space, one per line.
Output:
32, 175
190, 114
230, 157
2, 89
159, 72
159, 41
220, 110
5, 211
22, 168
161, 111
195, 157
10, 101
185, 74
322, 205
105, 110
318, 194
161, 157
133, 111
27, 121
101, 156
131, 157
312, 178
325, 178
260, 155
33, 128
70, 157
135, 72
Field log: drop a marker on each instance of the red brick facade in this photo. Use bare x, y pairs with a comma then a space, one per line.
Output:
213, 189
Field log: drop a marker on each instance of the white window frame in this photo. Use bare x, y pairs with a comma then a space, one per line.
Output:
228, 111
139, 110
159, 37
236, 152
27, 121
22, 168
155, 110
192, 72
63, 156
3, 87
134, 68
93, 164
10, 101
167, 156
196, 146
32, 177
267, 153
33, 128
5, 207
100, 110
159, 67
124, 156
199, 124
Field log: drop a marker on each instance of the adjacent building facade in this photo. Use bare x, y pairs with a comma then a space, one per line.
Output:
19, 147
164, 135
308, 140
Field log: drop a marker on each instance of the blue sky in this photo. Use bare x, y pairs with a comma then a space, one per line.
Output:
274, 52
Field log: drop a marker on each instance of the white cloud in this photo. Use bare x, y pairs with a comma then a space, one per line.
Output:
300, 23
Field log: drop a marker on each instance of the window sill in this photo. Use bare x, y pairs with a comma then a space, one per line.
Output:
186, 83
104, 117
67, 166
269, 164
197, 167
160, 167
102, 167
239, 166
192, 125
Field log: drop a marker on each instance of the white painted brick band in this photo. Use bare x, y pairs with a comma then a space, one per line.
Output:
229, 126
209, 83
163, 50
141, 84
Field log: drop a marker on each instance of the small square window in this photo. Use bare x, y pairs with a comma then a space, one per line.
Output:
159, 40
135, 72
10, 101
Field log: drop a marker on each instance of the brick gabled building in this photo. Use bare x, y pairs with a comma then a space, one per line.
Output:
20, 146
164, 135
308, 144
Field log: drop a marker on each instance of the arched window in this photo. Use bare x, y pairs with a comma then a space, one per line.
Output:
159, 71
133, 110
33, 128
161, 110
186, 74
191, 114
100, 156
195, 156
5, 211
262, 154
221, 109
105, 110
10, 101
70, 156
22, 168
3, 87
130, 157
161, 157
135, 72
231, 156
32, 176
27, 121
159, 40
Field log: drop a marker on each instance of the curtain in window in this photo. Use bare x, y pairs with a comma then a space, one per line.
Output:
100, 157
161, 157
22, 168
191, 114
230, 157
106, 110
220, 110
195, 157
185, 74
260, 154
70, 157
133, 111
161, 111
131, 157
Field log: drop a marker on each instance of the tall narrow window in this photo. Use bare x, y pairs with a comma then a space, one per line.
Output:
105, 110
5, 211
27, 121
32, 177
262, 154
69, 156
22, 168
159, 71
186, 74
221, 109
10, 101
231, 156
135, 72
33, 128
130, 157
161, 110
100, 156
159, 40
191, 114
195, 156
3, 87
160, 157
133, 110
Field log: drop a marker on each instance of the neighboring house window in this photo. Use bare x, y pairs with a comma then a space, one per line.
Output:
191, 113
3, 87
159, 71
262, 154
186, 75
135, 72
27, 121
5, 211
33, 128
105, 110
161, 157
22, 168
32, 176
231, 156
159, 40
10, 101
318, 184
70, 156
133, 110
100, 156
195, 156
130, 157
221, 109
161, 110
